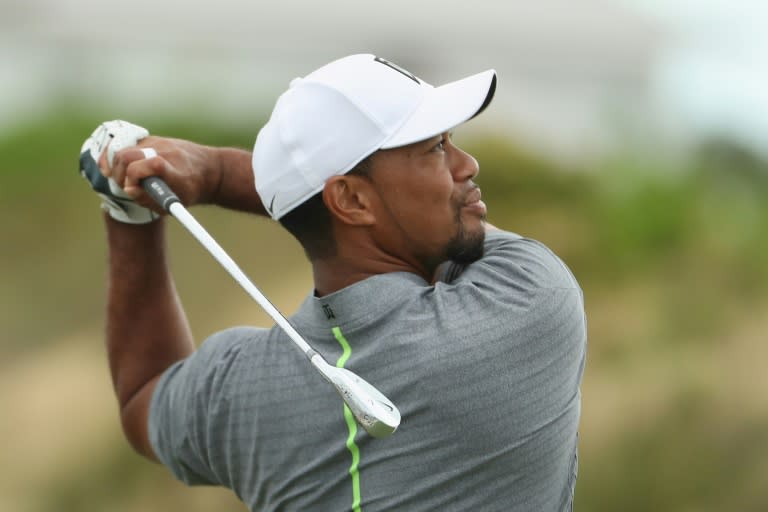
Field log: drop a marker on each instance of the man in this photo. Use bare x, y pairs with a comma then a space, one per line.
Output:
478, 335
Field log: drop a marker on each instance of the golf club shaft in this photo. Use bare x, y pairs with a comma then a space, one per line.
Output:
374, 411
188, 221
170, 202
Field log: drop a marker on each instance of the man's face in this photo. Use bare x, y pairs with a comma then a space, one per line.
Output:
428, 209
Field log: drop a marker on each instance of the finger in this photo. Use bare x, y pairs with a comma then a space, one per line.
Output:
104, 167
123, 135
141, 169
123, 160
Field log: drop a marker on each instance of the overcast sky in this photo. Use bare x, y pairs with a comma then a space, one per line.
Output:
699, 65
714, 70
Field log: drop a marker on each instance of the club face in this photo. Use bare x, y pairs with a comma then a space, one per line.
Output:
374, 411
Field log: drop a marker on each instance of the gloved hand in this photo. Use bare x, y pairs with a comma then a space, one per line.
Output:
114, 136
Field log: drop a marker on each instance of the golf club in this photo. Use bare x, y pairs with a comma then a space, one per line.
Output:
374, 411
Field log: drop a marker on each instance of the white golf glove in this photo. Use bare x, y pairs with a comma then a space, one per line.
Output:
117, 135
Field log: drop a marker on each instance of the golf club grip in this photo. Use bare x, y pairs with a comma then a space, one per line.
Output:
160, 192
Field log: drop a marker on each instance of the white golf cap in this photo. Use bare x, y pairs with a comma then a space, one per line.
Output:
330, 120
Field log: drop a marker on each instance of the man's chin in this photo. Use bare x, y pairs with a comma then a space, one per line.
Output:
467, 247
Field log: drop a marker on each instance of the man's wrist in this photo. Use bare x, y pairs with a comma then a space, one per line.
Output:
214, 170
121, 229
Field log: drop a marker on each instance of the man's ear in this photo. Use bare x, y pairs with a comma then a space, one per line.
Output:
349, 199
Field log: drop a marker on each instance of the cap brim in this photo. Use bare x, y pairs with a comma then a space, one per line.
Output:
446, 107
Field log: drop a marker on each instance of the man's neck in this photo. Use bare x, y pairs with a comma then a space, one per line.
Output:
338, 272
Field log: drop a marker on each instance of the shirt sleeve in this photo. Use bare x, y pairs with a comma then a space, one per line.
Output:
523, 311
181, 414
523, 297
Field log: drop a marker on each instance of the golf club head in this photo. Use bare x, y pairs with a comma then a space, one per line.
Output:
372, 410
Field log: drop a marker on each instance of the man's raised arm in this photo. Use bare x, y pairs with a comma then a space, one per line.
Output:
147, 330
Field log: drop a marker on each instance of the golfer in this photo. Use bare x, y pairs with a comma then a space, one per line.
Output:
477, 334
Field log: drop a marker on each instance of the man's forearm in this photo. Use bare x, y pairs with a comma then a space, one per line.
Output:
236, 189
198, 174
147, 329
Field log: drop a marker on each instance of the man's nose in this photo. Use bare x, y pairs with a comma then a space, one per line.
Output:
465, 166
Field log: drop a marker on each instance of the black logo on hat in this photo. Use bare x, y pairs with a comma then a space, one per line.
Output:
397, 68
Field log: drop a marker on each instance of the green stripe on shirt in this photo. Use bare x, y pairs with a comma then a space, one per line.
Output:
351, 425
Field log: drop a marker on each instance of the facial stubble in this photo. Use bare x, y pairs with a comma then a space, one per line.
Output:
466, 246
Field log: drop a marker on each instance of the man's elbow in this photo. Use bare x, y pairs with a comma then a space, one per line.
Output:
134, 417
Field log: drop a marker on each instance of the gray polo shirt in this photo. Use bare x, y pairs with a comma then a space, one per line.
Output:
485, 367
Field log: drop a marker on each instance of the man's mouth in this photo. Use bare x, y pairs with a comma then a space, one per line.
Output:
474, 203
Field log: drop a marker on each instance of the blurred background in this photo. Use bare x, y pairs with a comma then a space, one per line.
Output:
629, 136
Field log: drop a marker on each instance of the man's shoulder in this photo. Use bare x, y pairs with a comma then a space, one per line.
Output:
525, 261
516, 247
238, 333
229, 342
539, 261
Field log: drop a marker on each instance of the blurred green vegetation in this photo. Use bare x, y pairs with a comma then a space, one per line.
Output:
672, 255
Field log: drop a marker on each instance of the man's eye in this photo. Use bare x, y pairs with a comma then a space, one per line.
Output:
440, 146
